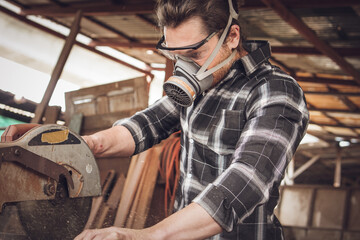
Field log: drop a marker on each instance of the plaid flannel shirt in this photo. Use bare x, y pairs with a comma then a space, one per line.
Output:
236, 141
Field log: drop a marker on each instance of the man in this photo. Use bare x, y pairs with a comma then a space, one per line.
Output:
241, 120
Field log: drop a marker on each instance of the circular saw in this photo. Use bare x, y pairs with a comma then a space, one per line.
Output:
49, 173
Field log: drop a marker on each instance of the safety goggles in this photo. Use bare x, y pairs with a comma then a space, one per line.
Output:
167, 51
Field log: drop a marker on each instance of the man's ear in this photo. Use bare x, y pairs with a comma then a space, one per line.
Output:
233, 38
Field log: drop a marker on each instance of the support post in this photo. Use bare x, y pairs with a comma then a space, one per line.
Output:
290, 172
69, 42
305, 166
337, 174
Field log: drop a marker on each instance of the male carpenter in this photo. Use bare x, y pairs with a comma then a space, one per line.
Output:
241, 120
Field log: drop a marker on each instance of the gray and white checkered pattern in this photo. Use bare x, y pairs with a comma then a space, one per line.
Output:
236, 142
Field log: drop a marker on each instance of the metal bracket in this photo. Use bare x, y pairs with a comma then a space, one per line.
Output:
35, 162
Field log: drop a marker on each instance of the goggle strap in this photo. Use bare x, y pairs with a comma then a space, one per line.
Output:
216, 49
201, 76
208, 61
232, 10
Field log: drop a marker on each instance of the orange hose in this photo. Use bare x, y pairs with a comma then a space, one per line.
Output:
170, 171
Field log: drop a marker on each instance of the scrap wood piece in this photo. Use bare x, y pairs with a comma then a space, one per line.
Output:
112, 201
97, 201
131, 183
147, 190
133, 212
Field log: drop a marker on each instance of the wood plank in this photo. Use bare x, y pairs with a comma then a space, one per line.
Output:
130, 187
76, 122
112, 201
147, 190
51, 114
133, 212
305, 166
69, 43
98, 201
95, 123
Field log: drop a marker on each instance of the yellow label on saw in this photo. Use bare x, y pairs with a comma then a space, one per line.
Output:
55, 137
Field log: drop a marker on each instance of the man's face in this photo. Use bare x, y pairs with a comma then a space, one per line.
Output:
191, 32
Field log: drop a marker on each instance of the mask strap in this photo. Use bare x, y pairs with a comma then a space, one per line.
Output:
202, 73
201, 76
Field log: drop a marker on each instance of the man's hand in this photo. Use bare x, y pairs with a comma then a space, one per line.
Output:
190, 223
114, 233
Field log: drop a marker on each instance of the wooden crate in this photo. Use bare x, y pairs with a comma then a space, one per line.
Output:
102, 105
319, 212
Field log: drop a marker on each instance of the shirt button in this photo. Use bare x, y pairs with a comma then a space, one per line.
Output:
189, 175
191, 140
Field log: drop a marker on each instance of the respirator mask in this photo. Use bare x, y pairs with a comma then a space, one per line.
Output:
189, 79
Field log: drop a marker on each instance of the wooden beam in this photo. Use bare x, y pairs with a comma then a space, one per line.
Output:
305, 166
328, 110
105, 8
346, 94
283, 66
337, 174
345, 52
113, 42
56, 34
148, 21
69, 43
325, 136
111, 29
352, 106
332, 81
311, 36
334, 125
97, 8
326, 114
258, 4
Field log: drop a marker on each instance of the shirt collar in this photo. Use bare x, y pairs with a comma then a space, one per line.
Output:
259, 52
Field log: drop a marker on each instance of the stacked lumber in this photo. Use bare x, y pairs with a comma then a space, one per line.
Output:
125, 202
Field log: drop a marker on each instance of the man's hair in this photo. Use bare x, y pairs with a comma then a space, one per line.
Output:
214, 14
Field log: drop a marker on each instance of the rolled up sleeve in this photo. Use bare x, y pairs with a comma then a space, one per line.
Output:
150, 126
277, 119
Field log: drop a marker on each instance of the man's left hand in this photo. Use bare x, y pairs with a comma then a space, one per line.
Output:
112, 233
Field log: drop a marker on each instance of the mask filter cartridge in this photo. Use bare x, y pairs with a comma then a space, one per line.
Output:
183, 87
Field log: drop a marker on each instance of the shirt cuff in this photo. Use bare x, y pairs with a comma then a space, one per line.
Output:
214, 202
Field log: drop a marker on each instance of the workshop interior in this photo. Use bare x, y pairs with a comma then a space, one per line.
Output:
51, 185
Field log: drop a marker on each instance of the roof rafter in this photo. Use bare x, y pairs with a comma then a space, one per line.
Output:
52, 32
91, 9
345, 94
256, 4
310, 35
330, 81
104, 8
329, 110
334, 125
345, 52
335, 120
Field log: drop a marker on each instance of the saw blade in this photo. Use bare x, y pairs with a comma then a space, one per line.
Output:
61, 218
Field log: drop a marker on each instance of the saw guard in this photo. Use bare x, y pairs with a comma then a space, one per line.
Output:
59, 145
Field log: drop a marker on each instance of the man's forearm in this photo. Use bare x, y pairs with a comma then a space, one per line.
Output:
115, 141
190, 223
